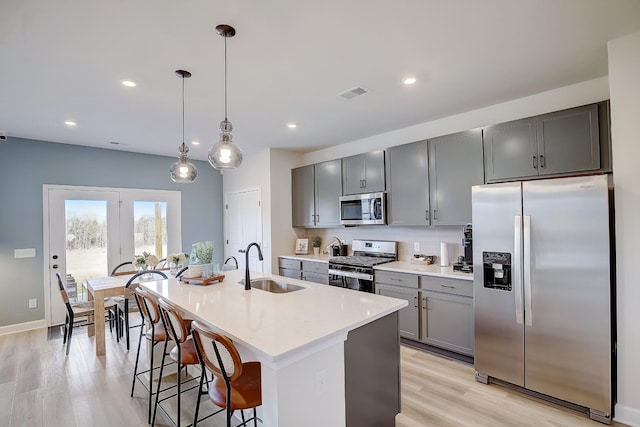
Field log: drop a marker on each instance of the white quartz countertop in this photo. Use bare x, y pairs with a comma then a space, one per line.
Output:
425, 270
319, 258
276, 325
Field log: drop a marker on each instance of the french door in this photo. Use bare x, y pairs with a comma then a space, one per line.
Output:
88, 231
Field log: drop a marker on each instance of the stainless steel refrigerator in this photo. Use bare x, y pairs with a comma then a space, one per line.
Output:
542, 288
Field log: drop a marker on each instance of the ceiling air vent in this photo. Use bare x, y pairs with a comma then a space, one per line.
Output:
352, 93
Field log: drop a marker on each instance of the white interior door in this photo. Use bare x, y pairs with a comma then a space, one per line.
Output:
83, 239
243, 226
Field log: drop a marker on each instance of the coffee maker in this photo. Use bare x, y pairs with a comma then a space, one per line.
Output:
465, 262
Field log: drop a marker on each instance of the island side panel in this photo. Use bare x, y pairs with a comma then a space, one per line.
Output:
372, 373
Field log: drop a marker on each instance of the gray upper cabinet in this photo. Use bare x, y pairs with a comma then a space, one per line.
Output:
558, 143
408, 184
363, 173
302, 196
315, 194
510, 150
328, 189
569, 141
455, 165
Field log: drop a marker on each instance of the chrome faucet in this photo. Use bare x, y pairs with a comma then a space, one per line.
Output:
247, 279
333, 242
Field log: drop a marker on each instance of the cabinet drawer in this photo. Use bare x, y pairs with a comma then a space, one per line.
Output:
290, 272
398, 279
449, 286
289, 263
315, 277
316, 267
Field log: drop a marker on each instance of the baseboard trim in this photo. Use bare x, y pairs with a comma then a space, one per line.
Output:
21, 327
627, 415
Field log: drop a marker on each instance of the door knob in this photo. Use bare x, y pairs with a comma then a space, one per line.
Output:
54, 266
55, 257
241, 251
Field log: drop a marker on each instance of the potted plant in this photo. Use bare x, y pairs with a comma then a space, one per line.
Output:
316, 241
201, 255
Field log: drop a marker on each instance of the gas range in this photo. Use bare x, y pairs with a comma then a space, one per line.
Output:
356, 272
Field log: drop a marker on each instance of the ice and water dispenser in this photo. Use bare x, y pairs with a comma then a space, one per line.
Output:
497, 270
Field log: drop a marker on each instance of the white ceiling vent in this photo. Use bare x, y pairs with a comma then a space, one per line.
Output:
352, 93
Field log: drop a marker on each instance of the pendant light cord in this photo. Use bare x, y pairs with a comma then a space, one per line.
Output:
183, 111
225, 77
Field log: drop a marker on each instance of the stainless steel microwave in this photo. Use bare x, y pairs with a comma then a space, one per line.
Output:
363, 209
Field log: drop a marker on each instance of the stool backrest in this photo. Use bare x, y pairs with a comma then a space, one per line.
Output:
147, 304
173, 322
217, 352
63, 294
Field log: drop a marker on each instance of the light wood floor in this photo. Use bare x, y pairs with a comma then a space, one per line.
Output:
39, 386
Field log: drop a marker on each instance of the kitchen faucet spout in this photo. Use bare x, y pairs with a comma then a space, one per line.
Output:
247, 279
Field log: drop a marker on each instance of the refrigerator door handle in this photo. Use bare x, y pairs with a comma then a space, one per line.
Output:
528, 311
517, 267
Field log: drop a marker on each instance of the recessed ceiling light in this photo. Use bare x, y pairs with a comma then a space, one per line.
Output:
292, 125
129, 83
195, 142
409, 80
70, 123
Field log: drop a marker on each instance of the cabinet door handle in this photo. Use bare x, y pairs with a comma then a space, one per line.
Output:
435, 214
535, 163
448, 287
541, 161
364, 183
415, 301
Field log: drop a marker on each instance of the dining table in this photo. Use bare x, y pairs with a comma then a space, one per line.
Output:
100, 288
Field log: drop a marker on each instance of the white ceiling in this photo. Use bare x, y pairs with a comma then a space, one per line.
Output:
64, 60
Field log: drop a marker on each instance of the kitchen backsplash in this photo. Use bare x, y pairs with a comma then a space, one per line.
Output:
428, 238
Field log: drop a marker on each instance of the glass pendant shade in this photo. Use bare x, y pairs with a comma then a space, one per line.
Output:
224, 154
183, 171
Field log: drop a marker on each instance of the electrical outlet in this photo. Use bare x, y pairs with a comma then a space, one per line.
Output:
321, 382
33, 303
416, 247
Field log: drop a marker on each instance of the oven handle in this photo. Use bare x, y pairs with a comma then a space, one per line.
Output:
351, 274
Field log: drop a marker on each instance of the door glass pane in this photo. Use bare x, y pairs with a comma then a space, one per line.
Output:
86, 243
150, 227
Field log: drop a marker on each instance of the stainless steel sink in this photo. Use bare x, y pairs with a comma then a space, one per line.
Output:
274, 286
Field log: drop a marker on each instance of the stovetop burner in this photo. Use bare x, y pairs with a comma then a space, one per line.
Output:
360, 260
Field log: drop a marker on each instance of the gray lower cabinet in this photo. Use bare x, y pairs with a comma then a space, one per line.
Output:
447, 313
315, 192
558, 143
317, 272
455, 165
408, 184
439, 311
408, 317
363, 173
312, 271
290, 268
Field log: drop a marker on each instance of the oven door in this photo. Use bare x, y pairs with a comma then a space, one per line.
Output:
351, 280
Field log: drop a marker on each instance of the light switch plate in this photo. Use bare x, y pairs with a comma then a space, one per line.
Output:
416, 247
24, 253
33, 303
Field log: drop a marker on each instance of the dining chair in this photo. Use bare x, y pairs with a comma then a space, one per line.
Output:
82, 311
125, 304
154, 333
236, 385
183, 354
122, 269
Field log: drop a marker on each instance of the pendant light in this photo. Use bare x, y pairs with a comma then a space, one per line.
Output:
183, 171
224, 154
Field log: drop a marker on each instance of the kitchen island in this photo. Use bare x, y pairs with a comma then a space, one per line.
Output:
330, 356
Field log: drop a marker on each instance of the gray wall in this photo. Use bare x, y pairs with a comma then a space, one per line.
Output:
27, 164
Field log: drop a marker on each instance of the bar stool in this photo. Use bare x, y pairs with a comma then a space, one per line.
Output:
184, 354
155, 334
235, 385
